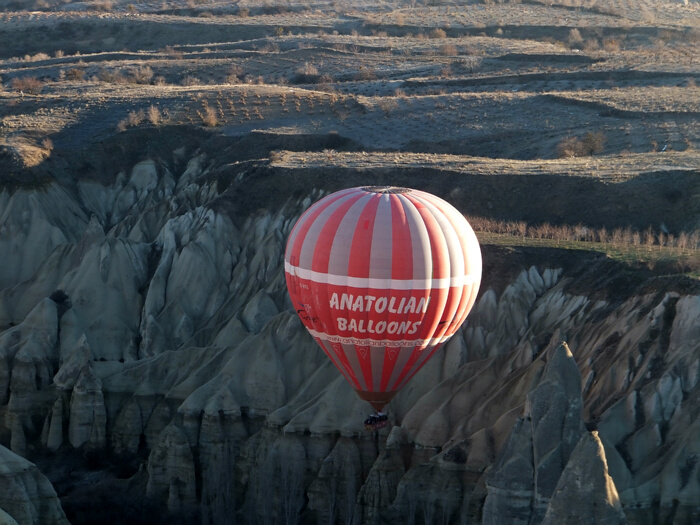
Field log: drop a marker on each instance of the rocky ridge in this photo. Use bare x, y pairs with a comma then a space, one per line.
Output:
143, 316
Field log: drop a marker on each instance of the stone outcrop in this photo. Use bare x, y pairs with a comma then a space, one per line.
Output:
26, 496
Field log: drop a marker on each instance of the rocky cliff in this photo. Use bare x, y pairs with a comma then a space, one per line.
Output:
26, 496
144, 322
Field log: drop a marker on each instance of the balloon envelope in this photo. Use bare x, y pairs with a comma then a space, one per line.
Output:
381, 277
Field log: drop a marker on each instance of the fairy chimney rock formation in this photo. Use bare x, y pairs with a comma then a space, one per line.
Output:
526, 473
585, 492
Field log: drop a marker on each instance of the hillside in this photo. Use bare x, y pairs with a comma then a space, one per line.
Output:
153, 159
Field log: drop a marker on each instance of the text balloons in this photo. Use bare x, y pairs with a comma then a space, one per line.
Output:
381, 277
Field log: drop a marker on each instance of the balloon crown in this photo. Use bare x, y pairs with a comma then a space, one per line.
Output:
386, 189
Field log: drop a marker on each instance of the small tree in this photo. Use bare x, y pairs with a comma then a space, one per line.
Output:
75, 74
575, 39
594, 142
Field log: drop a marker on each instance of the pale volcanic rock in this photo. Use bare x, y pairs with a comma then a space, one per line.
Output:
18, 440
171, 470
128, 195
332, 494
336, 408
437, 490
28, 357
459, 399
272, 469
496, 325
18, 301
32, 224
585, 492
221, 428
159, 419
26, 496
6, 519
36, 336
259, 310
192, 298
199, 250
71, 367
52, 433
104, 292
128, 428
540, 445
655, 397
88, 417
555, 409
380, 486
511, 484
680, 479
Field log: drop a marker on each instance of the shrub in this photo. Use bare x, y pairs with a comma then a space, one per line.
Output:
471, 63
570, 147
103, 5
306, 74
591, 144
75, 74
189, 80
209, 117
111, 76
448, 50
153, 115
591, 45
612, 45
438, 33
141, 74
172, 52
36, 58
388, 105
365, 73
594, 142
575, 38
27, 84
136, 117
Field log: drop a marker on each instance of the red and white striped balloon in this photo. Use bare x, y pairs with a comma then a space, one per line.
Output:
381, 277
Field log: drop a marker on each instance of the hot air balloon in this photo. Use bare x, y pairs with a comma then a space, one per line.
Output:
381, 277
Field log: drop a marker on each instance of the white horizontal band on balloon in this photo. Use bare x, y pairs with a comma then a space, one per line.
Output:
402, 343
378, 284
